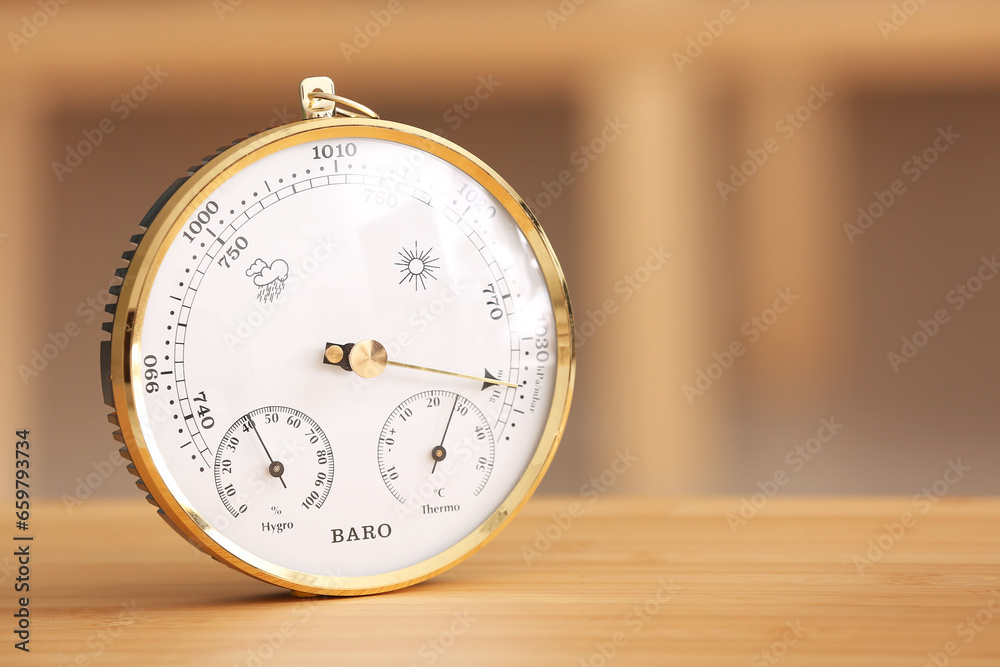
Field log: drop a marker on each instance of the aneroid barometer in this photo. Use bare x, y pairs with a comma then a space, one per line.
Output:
342, 352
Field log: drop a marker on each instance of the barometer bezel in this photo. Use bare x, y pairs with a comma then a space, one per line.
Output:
124, 360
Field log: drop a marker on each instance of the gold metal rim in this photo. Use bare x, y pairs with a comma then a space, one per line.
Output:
127, 334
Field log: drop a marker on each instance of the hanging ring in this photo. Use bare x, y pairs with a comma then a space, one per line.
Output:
340, 106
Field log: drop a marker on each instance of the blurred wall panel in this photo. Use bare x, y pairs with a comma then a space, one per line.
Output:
25, 241
912, 393
640, 312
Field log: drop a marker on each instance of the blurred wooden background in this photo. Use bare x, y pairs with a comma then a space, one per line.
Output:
681, 92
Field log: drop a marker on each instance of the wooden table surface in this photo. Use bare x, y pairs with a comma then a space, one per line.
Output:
630, 581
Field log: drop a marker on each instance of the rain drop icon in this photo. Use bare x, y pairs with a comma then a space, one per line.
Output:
269, 278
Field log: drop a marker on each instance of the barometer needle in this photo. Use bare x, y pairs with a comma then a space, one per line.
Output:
453, 374
439, 452
368, 358
275, 468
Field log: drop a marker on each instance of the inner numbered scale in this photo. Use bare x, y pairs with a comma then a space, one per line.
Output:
342, 353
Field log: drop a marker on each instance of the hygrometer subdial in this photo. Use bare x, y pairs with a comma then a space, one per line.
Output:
436, 451
274, 460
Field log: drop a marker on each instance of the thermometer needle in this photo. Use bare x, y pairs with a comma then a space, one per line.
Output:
275, 468
439, 452
368, 359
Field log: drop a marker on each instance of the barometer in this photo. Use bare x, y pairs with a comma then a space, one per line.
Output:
341, 356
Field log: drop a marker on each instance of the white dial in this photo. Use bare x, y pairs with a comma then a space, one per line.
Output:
357, 239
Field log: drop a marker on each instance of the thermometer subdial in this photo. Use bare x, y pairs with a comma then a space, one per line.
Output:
275, 457
436, 449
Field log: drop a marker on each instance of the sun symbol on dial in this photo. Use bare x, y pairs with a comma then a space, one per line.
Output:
417, 266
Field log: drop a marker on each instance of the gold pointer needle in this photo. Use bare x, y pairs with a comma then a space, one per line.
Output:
452, 374
368, 359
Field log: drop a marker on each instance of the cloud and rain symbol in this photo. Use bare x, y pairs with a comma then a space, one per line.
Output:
269, 278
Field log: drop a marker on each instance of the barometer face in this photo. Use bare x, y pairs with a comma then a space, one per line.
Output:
342, 355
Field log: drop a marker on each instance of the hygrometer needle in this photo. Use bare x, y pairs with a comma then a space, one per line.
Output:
274, 468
